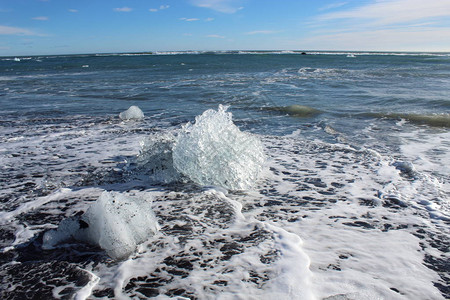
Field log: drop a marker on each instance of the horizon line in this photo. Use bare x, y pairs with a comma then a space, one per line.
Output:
162, 52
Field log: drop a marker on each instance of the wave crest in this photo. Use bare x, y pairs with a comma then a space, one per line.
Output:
296, 110
434, 120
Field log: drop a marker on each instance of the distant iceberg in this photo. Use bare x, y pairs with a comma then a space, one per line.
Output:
116, 222
132, 113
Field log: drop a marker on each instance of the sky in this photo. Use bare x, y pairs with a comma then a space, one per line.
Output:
39, 27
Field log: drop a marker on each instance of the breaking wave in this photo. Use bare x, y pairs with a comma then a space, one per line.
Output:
434, 120
296, 110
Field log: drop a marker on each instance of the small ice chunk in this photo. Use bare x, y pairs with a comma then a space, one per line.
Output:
213, 151
68, 229
133, 113
115, 222
406, 168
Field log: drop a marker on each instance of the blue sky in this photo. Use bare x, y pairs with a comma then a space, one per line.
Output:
38, 27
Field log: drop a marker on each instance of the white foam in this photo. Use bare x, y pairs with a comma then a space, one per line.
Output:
132, 113
293, 280
86, 291
213, 151
353, 254
28, 206
428, 152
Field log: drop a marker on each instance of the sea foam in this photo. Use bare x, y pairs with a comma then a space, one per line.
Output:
115, 222
213, 151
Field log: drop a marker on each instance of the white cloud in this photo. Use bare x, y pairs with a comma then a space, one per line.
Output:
383, 12
41, 18
190, 19
224, 6
413, 39
123, 9
73, 10
161, 7
216, 36
7, 30
261, 32
384, 25
209, 19
333, 5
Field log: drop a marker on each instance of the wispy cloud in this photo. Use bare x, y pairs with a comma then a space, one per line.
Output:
161, 7
8, 30
209, 19
189, 19
383, 25
261, 32
333, 5
413, 39
123, 9
216, 36
224, 6
73, 10
41, 18
384, 12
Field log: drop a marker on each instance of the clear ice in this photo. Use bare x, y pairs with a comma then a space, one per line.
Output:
213, 151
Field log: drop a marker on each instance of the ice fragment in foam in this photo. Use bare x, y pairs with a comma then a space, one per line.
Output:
115, 222
132, 113
213, 151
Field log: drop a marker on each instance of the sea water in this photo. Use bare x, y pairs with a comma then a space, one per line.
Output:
237, 175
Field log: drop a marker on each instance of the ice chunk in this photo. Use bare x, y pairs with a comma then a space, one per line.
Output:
213, 151
118, 223
133, 113
405, 168
155, 158
115, 222
68, 229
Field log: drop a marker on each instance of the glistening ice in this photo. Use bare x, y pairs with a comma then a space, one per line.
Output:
213, 151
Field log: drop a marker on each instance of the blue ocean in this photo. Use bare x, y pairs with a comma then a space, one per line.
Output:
225, 175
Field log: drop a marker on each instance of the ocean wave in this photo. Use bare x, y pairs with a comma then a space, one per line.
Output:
434, 120
370, 53
303, 52
295, 110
